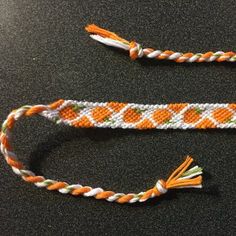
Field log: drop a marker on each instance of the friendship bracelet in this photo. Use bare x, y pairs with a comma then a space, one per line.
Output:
127, 116
136, 51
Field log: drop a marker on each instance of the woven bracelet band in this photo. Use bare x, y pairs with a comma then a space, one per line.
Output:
121, 115
136, 51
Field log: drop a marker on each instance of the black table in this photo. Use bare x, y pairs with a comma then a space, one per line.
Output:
45, 54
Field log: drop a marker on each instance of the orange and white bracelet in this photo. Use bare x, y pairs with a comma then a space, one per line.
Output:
127, 116
136, 51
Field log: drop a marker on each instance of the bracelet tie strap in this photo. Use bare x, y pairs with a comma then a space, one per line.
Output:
121, 115
136, 51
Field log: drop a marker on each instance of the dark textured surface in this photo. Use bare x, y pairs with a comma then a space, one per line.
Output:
45, 55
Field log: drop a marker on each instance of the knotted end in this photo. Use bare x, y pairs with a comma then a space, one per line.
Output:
135, 50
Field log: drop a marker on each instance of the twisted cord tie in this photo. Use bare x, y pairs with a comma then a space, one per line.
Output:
120, 115
135, 50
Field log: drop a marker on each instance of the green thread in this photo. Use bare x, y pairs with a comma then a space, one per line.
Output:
190, 172
77, 108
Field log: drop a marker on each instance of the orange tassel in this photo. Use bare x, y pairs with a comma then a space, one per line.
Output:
93, 29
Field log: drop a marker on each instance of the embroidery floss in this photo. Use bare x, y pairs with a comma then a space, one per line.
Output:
136, 51
121, 115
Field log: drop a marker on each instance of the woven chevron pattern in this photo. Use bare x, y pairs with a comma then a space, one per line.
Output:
136, 51
120, 115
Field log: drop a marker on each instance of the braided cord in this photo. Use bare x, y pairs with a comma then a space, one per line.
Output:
136, 51
121, 115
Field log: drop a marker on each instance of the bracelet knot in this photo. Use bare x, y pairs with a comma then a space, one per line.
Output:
161, 187
135, 50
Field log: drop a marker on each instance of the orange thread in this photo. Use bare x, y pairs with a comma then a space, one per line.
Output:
136, 51
104, 33
122, 115
222, 115
100, 114
80, 191
132, 115
34, 110
57, 186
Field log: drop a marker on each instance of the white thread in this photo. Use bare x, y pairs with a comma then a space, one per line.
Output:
160, 187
